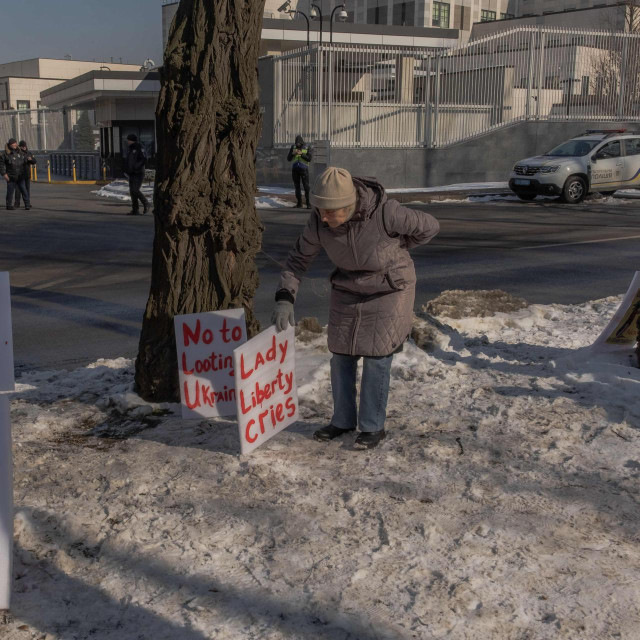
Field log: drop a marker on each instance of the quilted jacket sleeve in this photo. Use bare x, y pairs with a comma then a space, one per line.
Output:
415, 227
307, 247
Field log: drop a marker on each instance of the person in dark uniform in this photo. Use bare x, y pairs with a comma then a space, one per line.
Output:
300, 155
134, 168
29, 161
12, 162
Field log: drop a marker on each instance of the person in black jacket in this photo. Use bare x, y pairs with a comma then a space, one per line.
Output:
29, 161
134, 168
300, 155
12, 162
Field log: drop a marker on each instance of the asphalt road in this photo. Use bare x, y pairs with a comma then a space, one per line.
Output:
80, 268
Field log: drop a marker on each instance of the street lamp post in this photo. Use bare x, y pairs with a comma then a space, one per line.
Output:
316, 12
286, 8
304, 15
342, 16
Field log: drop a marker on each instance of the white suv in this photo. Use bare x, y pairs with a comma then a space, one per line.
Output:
599, 160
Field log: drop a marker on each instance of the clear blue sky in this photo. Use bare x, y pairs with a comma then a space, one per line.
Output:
85, 29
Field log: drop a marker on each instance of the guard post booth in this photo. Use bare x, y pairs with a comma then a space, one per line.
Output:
122, 102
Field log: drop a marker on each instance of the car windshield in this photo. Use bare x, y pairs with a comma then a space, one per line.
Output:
574, 148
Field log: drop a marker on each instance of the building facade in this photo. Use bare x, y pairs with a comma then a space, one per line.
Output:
431, 14
281, 34
524, 8
22, 82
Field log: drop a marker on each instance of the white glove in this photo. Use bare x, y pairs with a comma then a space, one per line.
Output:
283, 314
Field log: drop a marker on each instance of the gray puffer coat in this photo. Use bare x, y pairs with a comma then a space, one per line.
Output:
373, 285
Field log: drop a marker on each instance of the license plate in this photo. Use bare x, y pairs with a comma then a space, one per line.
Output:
523, 182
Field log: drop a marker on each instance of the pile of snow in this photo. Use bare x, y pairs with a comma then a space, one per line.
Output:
503, 504
458, 186
119, 189
266, 202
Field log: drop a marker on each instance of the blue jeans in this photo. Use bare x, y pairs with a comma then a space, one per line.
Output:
374, 391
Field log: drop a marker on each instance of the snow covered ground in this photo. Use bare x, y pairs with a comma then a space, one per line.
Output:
503, 504
119, 190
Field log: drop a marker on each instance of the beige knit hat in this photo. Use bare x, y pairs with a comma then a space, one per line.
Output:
333, 189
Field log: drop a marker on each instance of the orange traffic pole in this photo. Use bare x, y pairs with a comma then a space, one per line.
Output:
74, 170
49, 171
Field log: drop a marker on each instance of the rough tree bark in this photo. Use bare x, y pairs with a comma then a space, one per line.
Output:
207, 232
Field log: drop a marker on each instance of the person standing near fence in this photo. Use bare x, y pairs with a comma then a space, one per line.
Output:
300, 155
134, 168
30, 161
12, 163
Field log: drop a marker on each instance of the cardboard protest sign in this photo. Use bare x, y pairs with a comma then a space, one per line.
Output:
205, 344
6, 341
266, 391
6, 504
622, 329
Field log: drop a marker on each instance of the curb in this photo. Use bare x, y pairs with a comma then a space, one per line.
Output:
417, 196
98, 182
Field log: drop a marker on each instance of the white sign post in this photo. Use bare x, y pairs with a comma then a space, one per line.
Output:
205, 344
6, 469
6, 341
266, 391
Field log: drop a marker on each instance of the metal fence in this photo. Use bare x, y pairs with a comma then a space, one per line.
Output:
41, 128
384, 96
48, 130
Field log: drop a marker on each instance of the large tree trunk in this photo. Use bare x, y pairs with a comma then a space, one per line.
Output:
207, 232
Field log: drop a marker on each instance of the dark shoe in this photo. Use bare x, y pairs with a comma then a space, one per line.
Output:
10, 208
27, 207
145, 209
329, 433
308, 206
369, 439
299, 205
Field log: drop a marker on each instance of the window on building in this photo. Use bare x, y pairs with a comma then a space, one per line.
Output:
440, 15
403, 13
632, 147
487, 16
24, 105
506, 16
5, 105
377, 14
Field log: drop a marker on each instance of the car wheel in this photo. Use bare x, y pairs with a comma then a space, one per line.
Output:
575, 189
526, 196
607, 193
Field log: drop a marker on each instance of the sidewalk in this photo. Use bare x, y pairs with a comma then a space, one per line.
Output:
418, 194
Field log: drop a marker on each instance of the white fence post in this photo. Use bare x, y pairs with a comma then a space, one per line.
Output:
6, 468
